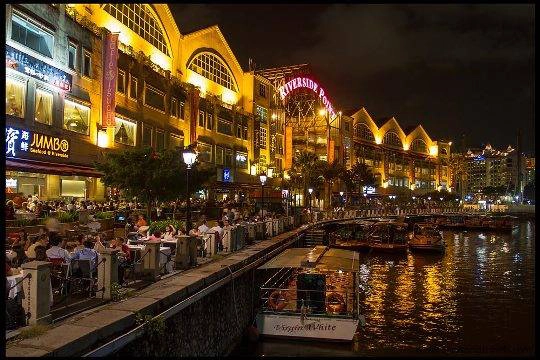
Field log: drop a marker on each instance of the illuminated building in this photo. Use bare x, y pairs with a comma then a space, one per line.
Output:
529, 170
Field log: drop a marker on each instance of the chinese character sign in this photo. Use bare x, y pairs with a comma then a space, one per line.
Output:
25, 144
227, 175
110, 69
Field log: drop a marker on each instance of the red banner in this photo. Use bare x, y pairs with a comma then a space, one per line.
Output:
110, 70
288, 147
194, 112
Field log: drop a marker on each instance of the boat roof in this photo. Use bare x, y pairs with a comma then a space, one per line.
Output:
319, 257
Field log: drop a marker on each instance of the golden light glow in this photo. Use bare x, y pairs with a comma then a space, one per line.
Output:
229, 96
102, 139
157, 57
406, 146
412, 186
197, 80
433, 151
322, 112
253, 170
385, 184
274, 116
378, 140
270, 172
116, 27
450, 143
286, 175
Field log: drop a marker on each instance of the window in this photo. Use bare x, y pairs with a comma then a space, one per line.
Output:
205, 152
201, 118
213, 68
219, 155
262, 90
262, 113
209, 121
182, 106
76, 117
363, 132
346, 126
229, 157
87, 63
224, 126
443, 151
147, 135
133, 88
44, 107
154, 98
125, 131
140, 19
241, 160
392, 139
160, 140
174, 107
419, 145
263, 138
72, 56
239, 131
121, 82
176, 141
32, 35
15, 97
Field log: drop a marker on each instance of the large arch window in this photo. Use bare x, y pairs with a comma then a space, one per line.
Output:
212, 67
392, 139
140, 19
363, 132
419, 145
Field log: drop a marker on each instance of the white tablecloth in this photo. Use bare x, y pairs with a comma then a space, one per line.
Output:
165, 251
12, 280
10, 254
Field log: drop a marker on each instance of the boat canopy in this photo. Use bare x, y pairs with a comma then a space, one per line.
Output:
319, 257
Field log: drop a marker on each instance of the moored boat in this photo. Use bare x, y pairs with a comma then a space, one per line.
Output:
388, 237
426, 237
350, 235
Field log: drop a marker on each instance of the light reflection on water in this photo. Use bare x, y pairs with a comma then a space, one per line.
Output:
477, 298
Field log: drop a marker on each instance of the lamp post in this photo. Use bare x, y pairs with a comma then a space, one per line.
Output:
310, 190
342, 200
190, 156
263, 178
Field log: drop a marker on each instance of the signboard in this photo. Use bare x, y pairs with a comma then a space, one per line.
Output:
11, 183
26, 64
20, 143
194, 113
368, 189
288, 147
302, 82
311, 327
331, 151
110, 71
226, 175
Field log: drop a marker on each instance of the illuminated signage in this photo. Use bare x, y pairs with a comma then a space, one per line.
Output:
110, 70
368, 189
26, 64
241, 158
227, 175
20, 143
301, 82
11, 183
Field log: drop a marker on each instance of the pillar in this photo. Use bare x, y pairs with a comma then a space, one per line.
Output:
37, 291
182, 253
151, 259
52, 187
107, 272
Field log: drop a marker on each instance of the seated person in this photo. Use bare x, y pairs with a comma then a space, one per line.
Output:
98, 246
87, 253
55, 251
124, 257
170, 233
42, 240
203, 228
140, 222
40, 253
80, 242
156, 236
9, 271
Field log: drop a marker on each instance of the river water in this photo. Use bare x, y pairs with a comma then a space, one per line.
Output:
476, 299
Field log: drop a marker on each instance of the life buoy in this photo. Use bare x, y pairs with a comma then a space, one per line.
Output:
335, 303
277, 300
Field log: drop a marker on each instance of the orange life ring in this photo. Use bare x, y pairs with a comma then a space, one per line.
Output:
335, 303
277, 300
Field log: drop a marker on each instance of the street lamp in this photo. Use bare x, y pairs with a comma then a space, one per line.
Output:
310, 190
342, 200
190, 156
263, 178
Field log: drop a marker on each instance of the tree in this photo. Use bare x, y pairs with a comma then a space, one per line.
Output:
306, 171
360, 176
152, 176
331, 172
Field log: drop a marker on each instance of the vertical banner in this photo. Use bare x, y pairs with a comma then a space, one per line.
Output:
256, 137
331, 151
194, 113
288, 147
110, 70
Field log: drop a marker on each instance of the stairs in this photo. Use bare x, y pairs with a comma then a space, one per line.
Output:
314, 238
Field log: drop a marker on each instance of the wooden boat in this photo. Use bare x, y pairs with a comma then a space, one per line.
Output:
310, 294
388, 237
426, 237
350, 235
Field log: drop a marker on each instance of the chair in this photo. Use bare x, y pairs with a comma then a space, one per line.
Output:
82, 275
59, 275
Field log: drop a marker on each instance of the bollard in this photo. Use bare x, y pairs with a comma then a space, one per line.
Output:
281, 225
107, 272
234, 238
212, 245
275, 227
181, 258
269, 228
151, 259
251, 233
37, 291
227, 239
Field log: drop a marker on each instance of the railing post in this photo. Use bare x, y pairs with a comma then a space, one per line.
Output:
37, 291
227, 243
151, 256
107, 270
181, 258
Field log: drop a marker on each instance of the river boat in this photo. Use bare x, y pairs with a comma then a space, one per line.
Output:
476, 222
426, 237
350, 235
311, 294
388, 237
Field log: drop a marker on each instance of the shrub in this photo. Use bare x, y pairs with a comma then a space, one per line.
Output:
104, 215
162, 225
68, 216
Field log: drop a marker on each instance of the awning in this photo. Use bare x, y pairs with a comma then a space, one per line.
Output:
330, 260
51, 168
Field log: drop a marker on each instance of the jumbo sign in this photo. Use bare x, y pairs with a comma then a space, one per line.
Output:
301, 82
20, 143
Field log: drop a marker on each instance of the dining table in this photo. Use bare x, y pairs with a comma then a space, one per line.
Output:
165, 254
15, 284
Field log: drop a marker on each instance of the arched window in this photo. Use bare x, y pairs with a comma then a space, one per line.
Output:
213, 68
443, 151
363, 132
392, 139
141, 20
419, 145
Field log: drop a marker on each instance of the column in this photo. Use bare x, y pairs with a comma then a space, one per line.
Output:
37, 291
182, 253
107, 272
151, 259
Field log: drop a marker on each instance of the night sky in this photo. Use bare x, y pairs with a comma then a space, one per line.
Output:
456, 69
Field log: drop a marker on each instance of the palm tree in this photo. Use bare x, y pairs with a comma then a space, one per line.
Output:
331, 172
361, 176
304, 171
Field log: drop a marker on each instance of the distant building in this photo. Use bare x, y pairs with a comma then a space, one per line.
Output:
529, 170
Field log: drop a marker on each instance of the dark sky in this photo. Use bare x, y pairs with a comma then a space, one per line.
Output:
455, 69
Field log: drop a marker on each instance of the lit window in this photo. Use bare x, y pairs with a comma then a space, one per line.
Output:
392, 139
44, 106
209, 121
160, 140
241, 160
182, 105
419, 145
263, 138
213, 68
76, 117
32, 35
205, 152
15, 97
262, 113
87, 63
121, 82
363, 132
224, 126
154, 98
174, 107
140, 19
72, 56
219, 155
262, 90
201, 118
133, 88
147, 135
176, 141
124, 131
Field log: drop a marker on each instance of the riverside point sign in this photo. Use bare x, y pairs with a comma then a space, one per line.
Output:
302, 82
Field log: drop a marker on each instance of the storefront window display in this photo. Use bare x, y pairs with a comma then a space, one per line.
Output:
44, 107
76, 117
124, 131
15, 96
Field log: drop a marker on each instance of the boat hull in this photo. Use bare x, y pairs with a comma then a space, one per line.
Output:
427, 248
312, 328
392, 248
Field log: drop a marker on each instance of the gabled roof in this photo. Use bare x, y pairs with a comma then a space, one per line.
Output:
352, 111
381, 121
